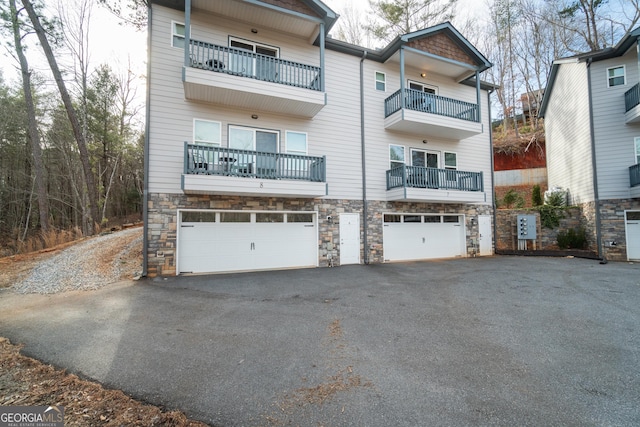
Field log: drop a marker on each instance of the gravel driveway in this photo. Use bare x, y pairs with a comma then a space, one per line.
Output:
479, 341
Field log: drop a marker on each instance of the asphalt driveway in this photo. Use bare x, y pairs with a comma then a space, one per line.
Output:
493, 341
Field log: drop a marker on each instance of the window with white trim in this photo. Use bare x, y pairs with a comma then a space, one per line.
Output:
177, 34
396, 156
381, 81
296, 142
637, 143
206, 132
616, 76
450, 160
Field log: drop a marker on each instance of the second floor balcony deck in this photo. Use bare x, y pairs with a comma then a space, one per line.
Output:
223, 170
431, 184
632, 104
244, 79
427, 114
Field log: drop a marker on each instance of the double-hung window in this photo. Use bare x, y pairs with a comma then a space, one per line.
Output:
381, 81
450, 161
616, 76
396, 156
177, 34
206, 134
296, 143
637, 144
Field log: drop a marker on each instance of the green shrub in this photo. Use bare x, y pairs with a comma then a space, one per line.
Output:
572, 239
556, 198
536, 196
550, 215
512, 199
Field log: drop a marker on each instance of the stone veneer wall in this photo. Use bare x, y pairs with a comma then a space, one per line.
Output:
547, 239
612, 227
162, 222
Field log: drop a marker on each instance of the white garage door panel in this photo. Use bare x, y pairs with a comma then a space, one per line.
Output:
210, 247
284, 245
413, 241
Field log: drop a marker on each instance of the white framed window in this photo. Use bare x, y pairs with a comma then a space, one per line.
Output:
206, 132
296, 142
425, 158
637, 147
423, 87
177, 34
616, 76
450, 160
396, 156
381, 81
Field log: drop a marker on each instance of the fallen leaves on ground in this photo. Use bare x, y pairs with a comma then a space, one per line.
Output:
25, 382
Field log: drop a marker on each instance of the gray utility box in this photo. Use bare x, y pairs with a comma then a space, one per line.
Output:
526, 227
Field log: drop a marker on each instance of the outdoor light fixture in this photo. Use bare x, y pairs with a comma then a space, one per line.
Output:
254, 31
423, 75
424, 141
254, 116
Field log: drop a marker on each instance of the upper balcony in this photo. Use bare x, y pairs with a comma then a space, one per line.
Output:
413, 183
634, 180
221, 170
243, 79
431, 115
632, 104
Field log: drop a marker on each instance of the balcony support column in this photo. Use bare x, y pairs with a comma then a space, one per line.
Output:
479, 118
403, 98
321, 57
187, 31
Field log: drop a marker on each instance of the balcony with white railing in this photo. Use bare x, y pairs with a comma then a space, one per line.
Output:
244, 79
431, 115
221, 170
413, 183
632, 104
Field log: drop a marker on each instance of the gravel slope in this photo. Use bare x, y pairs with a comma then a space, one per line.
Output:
90, 264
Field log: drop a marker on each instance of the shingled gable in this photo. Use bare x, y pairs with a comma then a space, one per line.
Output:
440, 40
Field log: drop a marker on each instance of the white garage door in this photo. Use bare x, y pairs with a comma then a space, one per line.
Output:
410, 237
633, 234
212, 242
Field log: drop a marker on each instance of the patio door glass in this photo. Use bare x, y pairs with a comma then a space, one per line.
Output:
423, 159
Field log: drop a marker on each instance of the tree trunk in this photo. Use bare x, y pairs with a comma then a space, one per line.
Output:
34, 136
92, 191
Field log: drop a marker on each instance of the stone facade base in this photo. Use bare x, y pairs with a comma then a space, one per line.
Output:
612, 227
162, 223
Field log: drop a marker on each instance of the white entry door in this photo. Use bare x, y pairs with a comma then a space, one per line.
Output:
349, 238
632, 224
485, 242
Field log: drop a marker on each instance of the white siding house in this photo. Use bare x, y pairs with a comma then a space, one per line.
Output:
270, 145
592, 123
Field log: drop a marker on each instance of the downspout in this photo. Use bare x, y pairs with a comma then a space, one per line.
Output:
365, 210
493, 175
145, 191
594, 168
